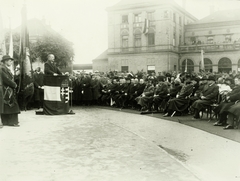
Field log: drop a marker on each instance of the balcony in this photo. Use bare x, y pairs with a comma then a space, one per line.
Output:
143, 49
210, 47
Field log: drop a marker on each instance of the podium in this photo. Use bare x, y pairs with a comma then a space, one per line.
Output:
56, 95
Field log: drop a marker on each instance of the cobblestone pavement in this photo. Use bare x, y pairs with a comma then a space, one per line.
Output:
96, 145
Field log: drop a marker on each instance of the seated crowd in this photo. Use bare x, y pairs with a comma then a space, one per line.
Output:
167, 93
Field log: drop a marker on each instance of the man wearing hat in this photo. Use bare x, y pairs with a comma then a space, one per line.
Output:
11, 110
208, 96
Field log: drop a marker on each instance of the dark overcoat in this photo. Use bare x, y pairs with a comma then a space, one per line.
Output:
181, 103
9, 92
234, 109
86, 88
210, 92
234, 96
51, 68
38, 81
1, 91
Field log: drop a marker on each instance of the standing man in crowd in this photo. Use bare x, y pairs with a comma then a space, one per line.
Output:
38, 87
1, 96
10, 112
50, 68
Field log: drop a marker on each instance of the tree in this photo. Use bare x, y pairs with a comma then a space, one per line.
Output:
54, 44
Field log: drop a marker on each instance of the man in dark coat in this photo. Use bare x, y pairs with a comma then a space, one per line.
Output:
160, 93
10, 108
231, 98
208, 96
133, 93
181, 102
233, 113
38, 87
50, 68
1, 96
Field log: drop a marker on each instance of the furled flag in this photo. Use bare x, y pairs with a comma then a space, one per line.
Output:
4, 47
185, 66
10, 52
26, 86
202, 61
146, 26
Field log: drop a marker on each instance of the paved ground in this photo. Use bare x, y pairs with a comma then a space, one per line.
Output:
99, 144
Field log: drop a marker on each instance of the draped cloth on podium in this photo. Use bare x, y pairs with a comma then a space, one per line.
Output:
56, 95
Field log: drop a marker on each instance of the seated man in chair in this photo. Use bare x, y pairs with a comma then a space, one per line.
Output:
230, 99
208, 96
233, 113
181, 102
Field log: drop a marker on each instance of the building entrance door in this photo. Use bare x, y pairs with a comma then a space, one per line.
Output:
225, 65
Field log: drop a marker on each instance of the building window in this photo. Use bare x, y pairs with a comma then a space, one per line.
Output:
228, 39
166, 14
124, 41
137, 18
125, 19
137, 40
124, 69
151, 39
174, 39
180, 20
150, 69
174, 17
150, 16
210, 40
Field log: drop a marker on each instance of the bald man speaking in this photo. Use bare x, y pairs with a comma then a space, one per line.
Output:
50, 68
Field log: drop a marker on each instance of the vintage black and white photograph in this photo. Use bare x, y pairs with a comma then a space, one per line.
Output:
119, 90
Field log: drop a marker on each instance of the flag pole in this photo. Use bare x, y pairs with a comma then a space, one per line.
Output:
71, 89
186, 66
10, 51
202, 61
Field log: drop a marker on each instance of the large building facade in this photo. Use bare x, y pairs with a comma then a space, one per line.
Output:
162, 36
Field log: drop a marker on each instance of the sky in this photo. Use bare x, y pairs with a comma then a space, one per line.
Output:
84, 22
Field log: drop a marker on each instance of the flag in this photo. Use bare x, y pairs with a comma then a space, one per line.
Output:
56, 95
185, 66
26, 86
10, 52
146, 26
4, 47
202, 61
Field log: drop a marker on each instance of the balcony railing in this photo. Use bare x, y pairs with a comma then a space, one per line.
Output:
210, 47
144, 49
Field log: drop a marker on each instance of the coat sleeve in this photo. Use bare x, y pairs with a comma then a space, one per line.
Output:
213, 93
7, 81
48, 70
235, 96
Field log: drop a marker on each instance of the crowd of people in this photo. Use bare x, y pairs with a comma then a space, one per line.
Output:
169, 93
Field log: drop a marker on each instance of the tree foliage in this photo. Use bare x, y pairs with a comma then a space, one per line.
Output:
57, 45
54, 44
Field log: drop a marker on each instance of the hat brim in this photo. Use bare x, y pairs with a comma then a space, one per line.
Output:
6, 59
